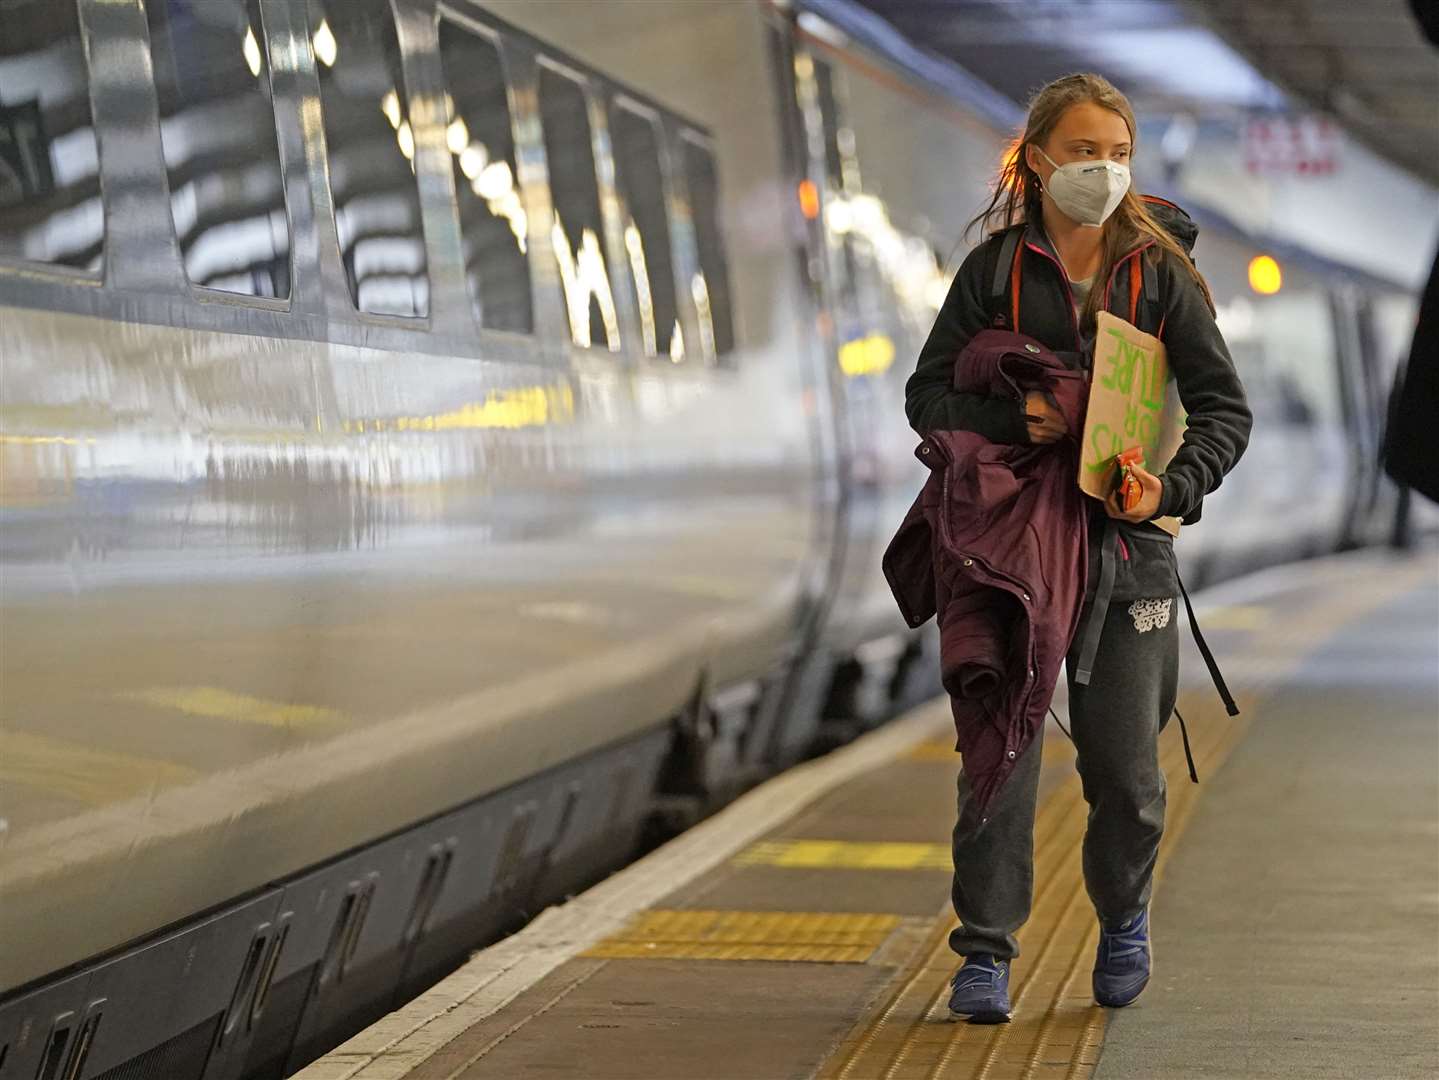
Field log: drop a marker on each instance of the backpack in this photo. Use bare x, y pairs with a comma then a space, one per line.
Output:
1146, 306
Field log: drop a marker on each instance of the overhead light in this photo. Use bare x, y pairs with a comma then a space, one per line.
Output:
495, 181
251, 49
406, 139
473, 160
390, 106
326, 47
1264, 275
826, 31
457, 136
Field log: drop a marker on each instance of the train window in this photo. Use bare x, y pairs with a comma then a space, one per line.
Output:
577, 235
50, 208
647, 231
710, 286
217, 129
482, 150
371, 149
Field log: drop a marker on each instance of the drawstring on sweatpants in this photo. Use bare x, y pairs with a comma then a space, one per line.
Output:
1060, 723
1229, 706
1209, 660
1188, 757
1183, 731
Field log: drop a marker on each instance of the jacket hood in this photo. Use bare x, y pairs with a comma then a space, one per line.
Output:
1176, 222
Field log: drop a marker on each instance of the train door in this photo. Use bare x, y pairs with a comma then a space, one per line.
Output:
831, 177
863, 635
824, 396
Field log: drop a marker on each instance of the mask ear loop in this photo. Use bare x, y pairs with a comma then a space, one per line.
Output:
1049, 159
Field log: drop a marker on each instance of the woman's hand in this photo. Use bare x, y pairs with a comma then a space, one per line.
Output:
1042, 416
1150, 490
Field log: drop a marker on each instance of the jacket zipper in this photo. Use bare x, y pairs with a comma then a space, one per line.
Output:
1069, 293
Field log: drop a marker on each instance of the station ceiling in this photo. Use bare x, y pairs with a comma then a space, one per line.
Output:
1366, 64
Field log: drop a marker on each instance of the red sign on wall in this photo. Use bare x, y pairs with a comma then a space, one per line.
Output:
1296, 145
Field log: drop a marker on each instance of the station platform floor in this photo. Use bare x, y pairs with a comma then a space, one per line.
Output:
802, 931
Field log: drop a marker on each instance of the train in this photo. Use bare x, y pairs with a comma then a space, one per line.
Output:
446, 444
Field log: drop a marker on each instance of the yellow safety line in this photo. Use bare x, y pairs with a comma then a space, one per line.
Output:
217, 704
846, 855
692, 934
937, 750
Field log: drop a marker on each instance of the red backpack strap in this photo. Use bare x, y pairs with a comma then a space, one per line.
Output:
1144, 286
1014, 276
1135, 280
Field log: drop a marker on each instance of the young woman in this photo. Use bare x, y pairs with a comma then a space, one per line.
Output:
1085, 242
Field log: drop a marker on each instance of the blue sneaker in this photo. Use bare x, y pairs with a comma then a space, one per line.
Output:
1121, 967
981, 990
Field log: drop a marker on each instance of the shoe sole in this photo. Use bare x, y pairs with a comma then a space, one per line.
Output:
995, 1017
1118, 1004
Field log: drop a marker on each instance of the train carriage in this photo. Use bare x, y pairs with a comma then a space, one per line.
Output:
441, 439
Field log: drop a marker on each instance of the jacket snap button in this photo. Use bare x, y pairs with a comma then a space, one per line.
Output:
1026, 596
968, 562
1031, 348
1011, 754
924, 449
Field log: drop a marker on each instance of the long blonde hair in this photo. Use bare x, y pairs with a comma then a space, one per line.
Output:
1018, 195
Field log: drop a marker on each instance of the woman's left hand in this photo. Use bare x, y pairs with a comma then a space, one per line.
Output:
1150, 487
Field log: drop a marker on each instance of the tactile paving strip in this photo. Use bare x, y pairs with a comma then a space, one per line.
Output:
846, 855
815, 937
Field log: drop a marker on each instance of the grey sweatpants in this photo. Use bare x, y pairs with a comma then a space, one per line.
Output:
1115, 722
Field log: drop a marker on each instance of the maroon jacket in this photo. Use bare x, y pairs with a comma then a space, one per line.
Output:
996, 544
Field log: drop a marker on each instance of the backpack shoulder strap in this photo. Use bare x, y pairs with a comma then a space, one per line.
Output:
1006, 276
1146, 311
1149, 295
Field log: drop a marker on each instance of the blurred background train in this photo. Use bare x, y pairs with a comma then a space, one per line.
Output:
443, 440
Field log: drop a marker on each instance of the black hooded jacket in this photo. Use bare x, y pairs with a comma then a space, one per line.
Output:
1219, 420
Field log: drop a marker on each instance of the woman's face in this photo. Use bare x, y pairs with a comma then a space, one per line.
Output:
1085, 132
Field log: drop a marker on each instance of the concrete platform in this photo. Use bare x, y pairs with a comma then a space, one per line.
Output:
1297, 927
801, 932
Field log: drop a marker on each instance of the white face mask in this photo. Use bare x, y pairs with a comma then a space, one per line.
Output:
1087, 191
